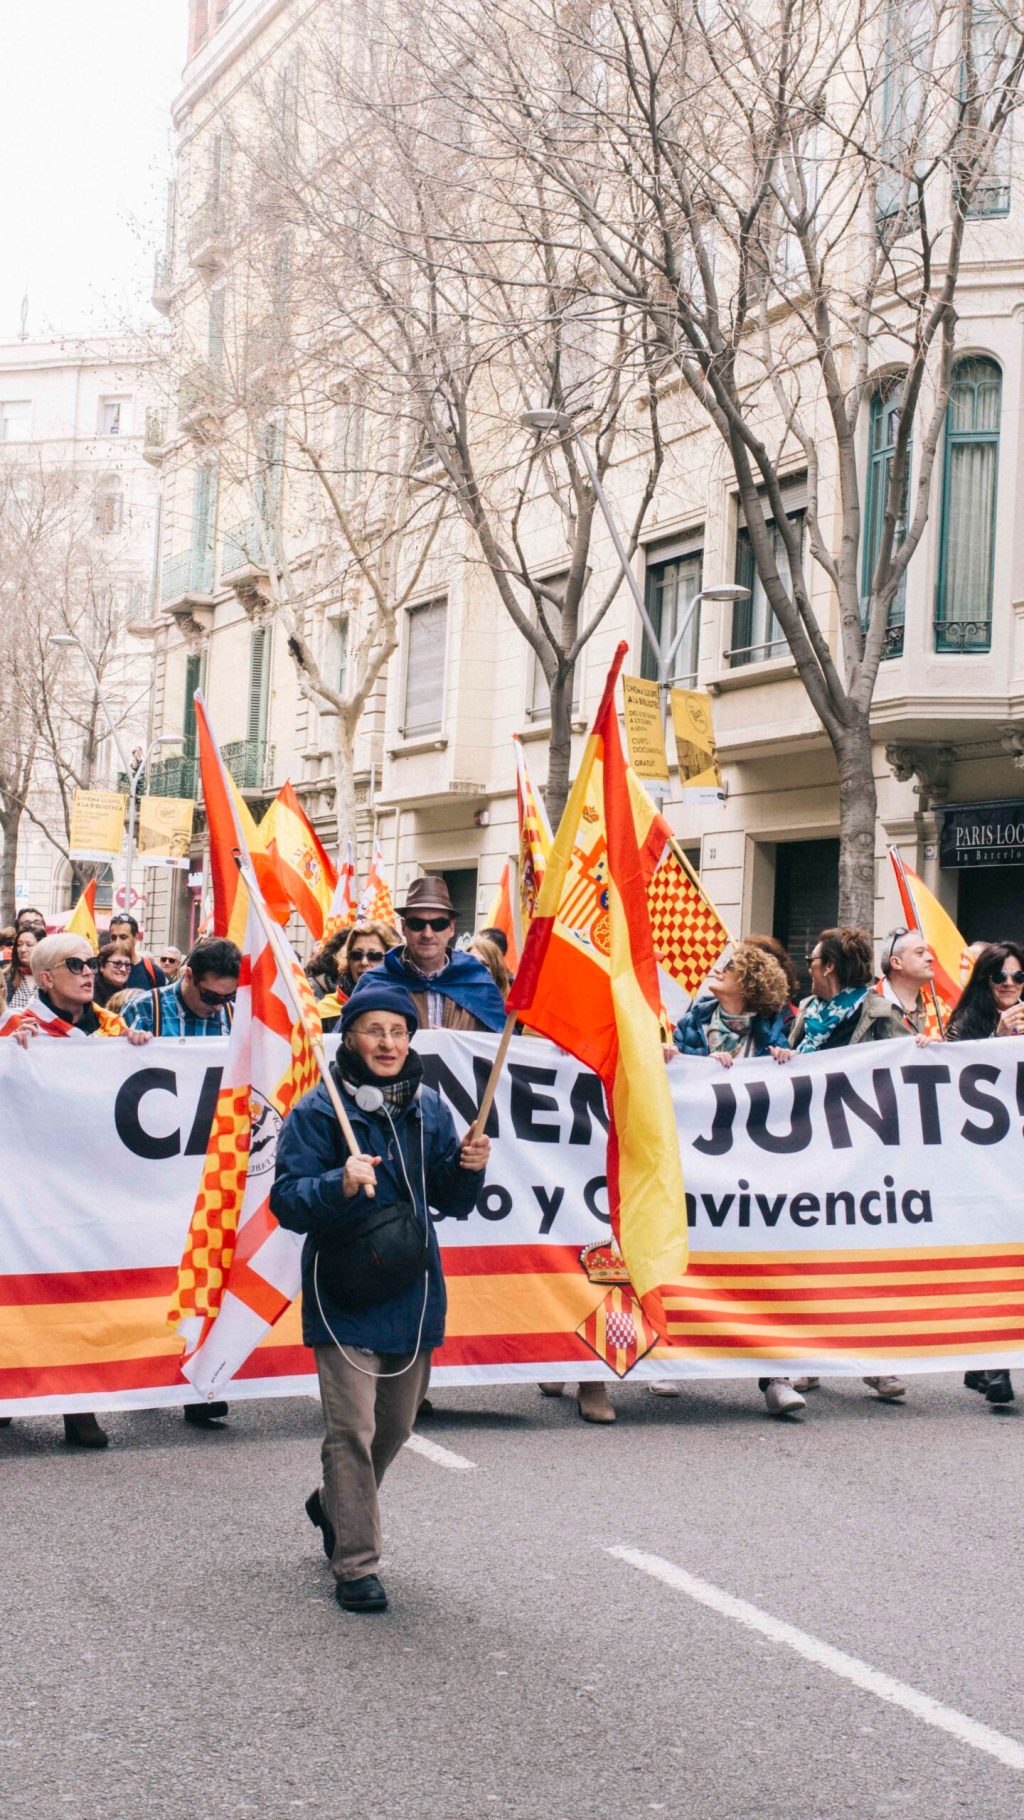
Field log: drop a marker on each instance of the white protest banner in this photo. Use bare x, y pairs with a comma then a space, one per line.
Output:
852, 1212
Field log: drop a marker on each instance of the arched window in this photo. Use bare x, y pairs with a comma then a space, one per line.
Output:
885, 423
963, 607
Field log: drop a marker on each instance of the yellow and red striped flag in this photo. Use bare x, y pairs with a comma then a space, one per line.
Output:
302, 865
230, 826
588, 979
82, 920
499, 916
952, 963
342, 911
239, 1271
534, 837
375, 905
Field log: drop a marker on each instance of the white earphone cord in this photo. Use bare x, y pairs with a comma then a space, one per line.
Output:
426, 1274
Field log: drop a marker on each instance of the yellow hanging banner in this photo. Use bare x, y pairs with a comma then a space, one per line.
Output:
645, 730
696, 752
97, 825
165, 830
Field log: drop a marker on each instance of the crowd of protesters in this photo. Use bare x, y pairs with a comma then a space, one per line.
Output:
376, 985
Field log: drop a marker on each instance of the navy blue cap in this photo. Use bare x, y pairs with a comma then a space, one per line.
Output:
376, 994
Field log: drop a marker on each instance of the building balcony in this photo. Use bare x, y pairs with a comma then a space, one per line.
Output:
174, 776
251, 764
208, 240
243, 563
200, 400
162, 294
186, 592
154, 440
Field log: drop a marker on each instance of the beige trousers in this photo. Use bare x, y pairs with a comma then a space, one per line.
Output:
367, 1419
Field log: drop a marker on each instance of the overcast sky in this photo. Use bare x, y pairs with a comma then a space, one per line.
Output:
85, 154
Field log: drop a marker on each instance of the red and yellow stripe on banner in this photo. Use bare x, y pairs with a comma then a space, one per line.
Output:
103, 1334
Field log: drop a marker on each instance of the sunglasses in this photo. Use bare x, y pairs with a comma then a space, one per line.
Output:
1007, 979
373, 955
167, 960
76, 963
119, 966
811, 958
418, 923
214, 998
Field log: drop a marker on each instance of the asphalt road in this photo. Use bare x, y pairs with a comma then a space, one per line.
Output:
172, 1647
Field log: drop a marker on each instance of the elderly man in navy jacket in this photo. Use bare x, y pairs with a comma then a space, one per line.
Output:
373, 1359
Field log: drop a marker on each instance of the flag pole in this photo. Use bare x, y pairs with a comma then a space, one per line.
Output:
497, 1065
315, 1042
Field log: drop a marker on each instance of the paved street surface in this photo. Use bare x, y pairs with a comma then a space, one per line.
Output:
172, 1647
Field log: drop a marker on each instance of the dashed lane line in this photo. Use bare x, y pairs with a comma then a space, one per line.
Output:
441, 1456
849, 1668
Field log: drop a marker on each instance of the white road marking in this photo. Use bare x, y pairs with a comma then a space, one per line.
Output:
850, 1668
441, 1456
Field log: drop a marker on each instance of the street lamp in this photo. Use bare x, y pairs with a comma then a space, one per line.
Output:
65, 641
543, 422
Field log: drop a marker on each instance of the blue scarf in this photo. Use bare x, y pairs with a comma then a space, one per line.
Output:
823, 1015
464, 979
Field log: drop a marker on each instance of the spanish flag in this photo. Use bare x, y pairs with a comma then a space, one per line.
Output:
230, 826
534, 837
302, 865
588, 979
82, 920
923, 911
499, 916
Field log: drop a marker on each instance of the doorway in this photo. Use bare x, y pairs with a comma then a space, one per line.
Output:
806, 897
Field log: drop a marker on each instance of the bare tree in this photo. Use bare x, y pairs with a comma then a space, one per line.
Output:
460, 293
780, 189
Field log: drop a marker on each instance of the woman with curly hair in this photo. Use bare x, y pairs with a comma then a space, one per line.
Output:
743, 1014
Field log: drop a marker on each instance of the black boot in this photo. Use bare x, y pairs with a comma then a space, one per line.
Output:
321, 1521
85, 1431
204, 1415
975, 1380
998, 1388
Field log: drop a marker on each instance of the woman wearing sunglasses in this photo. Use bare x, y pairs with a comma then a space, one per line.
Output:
112, 976
356, 951
64, 969
991, 1005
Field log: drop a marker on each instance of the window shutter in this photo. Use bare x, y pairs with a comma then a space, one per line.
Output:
426, 628
258, 681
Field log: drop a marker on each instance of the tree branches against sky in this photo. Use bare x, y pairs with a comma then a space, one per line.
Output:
85, 154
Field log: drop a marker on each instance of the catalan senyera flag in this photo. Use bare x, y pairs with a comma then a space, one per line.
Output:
689, 935
82, 920
230, 827
534, 837
239, 1271
499, 916
588, 979
375, 905
949, 950
302, 865
342, 911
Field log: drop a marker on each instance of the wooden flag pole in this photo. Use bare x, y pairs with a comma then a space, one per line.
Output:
492, 1080
315, 1043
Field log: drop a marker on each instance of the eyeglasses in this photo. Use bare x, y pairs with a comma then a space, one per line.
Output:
418, 923
811, 958
214, 999
379, 1035
1007, 979
372, 956
118, 966
77, 963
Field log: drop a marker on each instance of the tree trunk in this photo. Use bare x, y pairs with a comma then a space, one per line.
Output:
556, 790
9, 823
857, 810
345, 786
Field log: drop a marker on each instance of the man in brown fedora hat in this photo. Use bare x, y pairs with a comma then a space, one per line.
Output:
451, 990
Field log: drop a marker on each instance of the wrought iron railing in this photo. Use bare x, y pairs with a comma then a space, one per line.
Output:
191, 573
963, 634
250, 762
243, 547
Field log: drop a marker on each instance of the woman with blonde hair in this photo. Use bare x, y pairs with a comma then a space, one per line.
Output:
493, 959
363, 948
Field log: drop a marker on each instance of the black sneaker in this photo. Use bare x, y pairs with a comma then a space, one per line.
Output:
84, 1431
204, 1415
976, 1380
998, 1389
366, 1594
321, 1521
